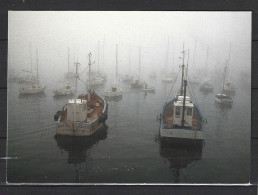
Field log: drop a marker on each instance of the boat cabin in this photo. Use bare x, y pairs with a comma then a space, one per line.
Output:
77, 110
223, 96
178, 111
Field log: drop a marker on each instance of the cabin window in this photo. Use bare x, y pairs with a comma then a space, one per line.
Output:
177, 111
189, 111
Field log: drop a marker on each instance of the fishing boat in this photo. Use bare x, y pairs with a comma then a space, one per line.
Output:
206, 86
84, 115
181, 118
222, 98
35, 88
115, 90
137, 83
145, 88
66, 90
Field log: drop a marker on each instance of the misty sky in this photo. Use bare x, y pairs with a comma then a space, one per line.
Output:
53, 32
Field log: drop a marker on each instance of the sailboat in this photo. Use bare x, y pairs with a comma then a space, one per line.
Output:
36, 87
128, 78
206, 86
66, 90
115, 90
180, 117
223, 98
137, 83
167, 77
145, 88
83, 116
228, 86
194, 76
29, 78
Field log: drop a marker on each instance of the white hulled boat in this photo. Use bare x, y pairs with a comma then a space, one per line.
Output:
115, 90
181, 118
68, 89
206, 86
229, 87
36, 87
222, 98
137, 83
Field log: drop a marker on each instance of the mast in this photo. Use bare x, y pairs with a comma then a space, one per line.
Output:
116, 63
98, 56
183, 67
139, 64
225, 72
167, 58
229, 55
30, 61
183, 118
76, 74
37, 67
68, 65
206, 63
185, 84
89, 84
129, 61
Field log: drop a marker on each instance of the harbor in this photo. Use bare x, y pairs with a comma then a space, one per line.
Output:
133, 99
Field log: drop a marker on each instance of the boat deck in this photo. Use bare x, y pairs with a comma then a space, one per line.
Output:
169, 116
94, 109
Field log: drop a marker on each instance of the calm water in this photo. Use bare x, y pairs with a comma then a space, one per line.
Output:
128, 150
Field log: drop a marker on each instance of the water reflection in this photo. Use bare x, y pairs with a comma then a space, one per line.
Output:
32, 96
114, 99
78, 147
180, 154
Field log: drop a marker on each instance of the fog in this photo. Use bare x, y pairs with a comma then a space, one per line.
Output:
52, 32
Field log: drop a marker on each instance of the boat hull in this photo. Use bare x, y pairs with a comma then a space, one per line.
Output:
188, 134
79, 129
148, 90
167, 130
62, 92
224, 101
82, 128
31, 90
110, 93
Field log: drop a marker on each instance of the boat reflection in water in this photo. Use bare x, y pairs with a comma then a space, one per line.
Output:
78, 146
114, 99
180, 154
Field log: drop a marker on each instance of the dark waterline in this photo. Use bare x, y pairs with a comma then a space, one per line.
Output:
128, 149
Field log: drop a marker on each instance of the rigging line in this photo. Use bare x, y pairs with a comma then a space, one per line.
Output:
84, 69
192, 92
173, 85
82, 81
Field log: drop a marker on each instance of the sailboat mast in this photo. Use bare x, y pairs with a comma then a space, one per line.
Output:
98, 56
37, 67
225, 73
139, 64
30, 61
129, 61
229, 55
206, 63
116, 63
68, 66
